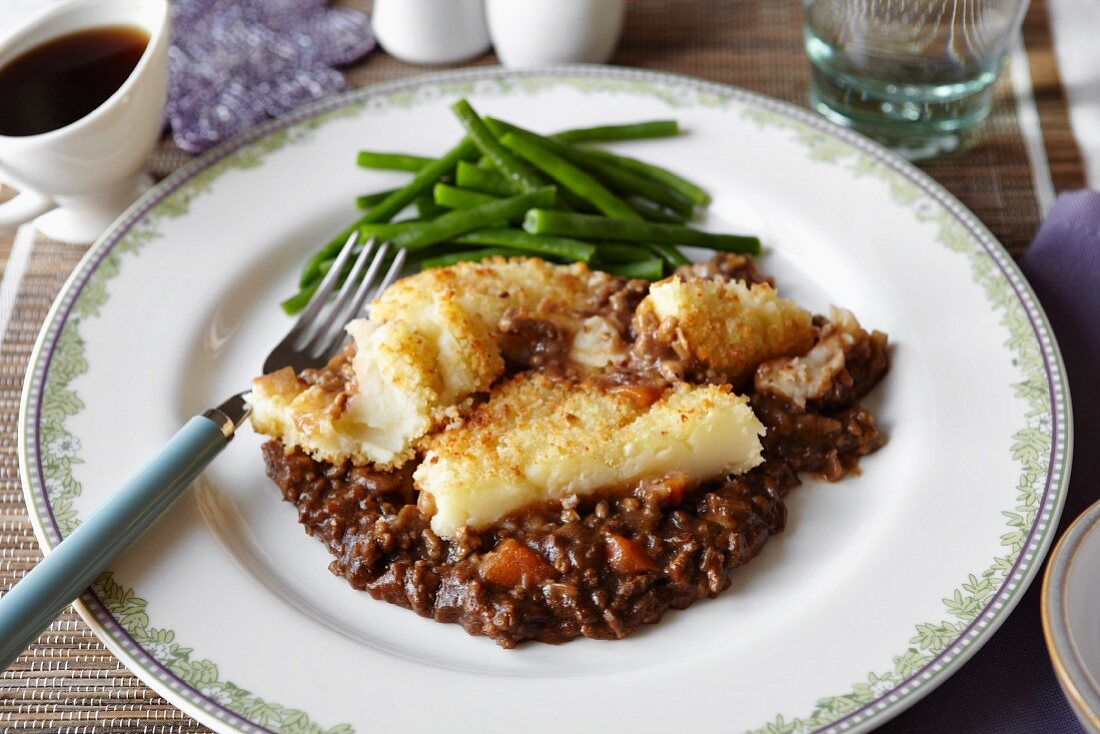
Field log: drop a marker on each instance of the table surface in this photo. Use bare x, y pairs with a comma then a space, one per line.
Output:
68, 682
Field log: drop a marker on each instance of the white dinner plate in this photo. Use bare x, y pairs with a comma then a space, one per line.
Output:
1071, 598
880, 587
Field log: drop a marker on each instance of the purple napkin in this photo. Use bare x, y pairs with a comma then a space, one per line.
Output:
1009, 685
236, 63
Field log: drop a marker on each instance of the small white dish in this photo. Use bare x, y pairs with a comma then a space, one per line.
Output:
88, 172
1071, 615
537, 32
431, 31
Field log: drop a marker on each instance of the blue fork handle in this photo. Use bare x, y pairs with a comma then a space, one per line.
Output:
29, 606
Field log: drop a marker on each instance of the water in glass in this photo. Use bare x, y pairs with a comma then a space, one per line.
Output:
915, 74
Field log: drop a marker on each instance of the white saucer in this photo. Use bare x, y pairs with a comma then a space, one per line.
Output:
1071, 615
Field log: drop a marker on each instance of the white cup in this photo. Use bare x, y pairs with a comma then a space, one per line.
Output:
89, 171
430, 31
534, 32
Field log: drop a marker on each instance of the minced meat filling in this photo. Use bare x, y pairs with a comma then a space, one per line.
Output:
549, 574
337, 375
725, 266
528, 343
600, 569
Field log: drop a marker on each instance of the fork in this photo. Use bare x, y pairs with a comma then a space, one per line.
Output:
29, 606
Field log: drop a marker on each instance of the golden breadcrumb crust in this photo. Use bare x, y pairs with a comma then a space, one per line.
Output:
727, 326
431, 341
539, 439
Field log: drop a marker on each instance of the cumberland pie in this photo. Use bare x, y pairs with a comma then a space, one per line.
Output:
540, 451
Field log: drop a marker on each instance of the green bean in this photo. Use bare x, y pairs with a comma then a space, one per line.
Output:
588, 227
570, 177
366, 201
519, 174
669, 253
535, 244
425, 178
451, 197
654, 212
489, 167
426, 208
488, 181
442, 261
392, 161
385, 231
651, 269
621, 252
298, 301
629, 182
469, 176
656, 173
621, 179
461, 221
629, 131
602, 133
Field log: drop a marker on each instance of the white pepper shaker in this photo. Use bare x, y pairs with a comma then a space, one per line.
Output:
431, 31
533, 32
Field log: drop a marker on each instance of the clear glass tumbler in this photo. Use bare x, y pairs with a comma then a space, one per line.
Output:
916, 75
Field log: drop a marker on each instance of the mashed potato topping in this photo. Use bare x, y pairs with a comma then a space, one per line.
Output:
432, 375
727, 326
539, 439
431, 341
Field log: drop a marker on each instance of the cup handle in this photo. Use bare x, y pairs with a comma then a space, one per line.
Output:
23, 208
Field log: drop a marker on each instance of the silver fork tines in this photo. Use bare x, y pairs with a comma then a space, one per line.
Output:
319, 331
319, 344
367, 288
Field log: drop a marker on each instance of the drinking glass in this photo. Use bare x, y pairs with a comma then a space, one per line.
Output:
916, 75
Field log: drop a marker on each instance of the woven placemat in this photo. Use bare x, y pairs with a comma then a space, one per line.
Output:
68, 682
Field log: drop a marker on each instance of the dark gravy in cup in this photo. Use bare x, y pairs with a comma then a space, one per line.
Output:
62, 80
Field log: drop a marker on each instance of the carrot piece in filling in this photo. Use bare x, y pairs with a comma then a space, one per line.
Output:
626, 556
514, 564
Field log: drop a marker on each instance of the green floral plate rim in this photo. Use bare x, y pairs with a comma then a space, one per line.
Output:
885, 695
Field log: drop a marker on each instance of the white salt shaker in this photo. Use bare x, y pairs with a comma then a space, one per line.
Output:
431, 31
533, 32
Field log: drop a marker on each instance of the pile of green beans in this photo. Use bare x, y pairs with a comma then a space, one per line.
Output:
504, 190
